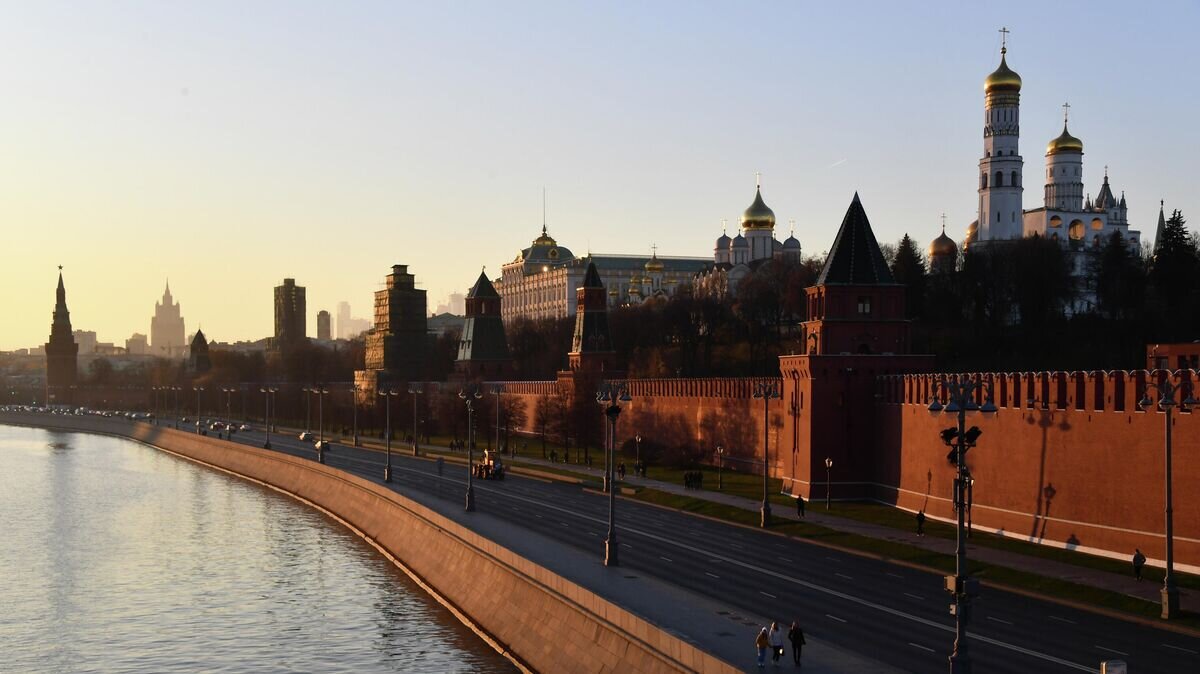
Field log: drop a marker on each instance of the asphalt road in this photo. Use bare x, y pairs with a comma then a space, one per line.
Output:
884, 611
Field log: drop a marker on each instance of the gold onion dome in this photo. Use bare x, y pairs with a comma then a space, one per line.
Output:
758, 216
943, 245
545, 239
654, 264
1064, 143
1002, 78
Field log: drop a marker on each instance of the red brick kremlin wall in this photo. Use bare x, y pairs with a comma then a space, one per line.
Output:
1068, 460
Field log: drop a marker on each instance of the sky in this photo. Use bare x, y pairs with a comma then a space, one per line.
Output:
228, 145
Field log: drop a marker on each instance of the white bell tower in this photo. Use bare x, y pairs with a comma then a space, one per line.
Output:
1000, 181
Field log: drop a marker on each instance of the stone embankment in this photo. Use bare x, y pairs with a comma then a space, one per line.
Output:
542, 621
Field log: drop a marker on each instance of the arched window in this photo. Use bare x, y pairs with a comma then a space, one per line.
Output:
1075, 231
999, 178
1097, 223
1013, 182
1055, 221
983, 181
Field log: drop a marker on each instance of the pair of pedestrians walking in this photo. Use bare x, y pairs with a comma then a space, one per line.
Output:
773, 640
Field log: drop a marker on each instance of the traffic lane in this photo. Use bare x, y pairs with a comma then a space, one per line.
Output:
1003, 629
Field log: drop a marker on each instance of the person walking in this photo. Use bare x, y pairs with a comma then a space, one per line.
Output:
796, 636
621, 471
1139, 560
761, 642
920, 522
775, 636
800, 506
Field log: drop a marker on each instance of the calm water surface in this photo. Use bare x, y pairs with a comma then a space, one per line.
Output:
116, 557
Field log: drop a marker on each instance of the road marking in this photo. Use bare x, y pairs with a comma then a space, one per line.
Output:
785, 559
835, 559
712, 575
1063, 620
714, 561
565, 524
767, 594
538, 516
1005, 622
665, 559
893, 575
1180, 648
1112, 651
914, 596
924, 648
842, 575
735, 545
790, 579
835, 618
626, 545
593, 533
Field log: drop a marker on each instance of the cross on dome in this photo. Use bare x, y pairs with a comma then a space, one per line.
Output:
1004, 39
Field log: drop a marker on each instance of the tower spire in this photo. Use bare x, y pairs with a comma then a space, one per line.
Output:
1003, 40
1066, 112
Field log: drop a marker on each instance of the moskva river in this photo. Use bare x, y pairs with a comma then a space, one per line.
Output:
116, 557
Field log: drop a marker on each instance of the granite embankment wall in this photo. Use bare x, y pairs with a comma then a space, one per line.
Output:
1068, 460
544, 621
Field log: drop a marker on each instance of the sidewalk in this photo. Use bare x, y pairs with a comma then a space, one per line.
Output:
816, 514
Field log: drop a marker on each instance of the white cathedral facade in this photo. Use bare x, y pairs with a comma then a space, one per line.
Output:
1080, 224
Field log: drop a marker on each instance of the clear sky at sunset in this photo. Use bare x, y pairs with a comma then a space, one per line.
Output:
227, 145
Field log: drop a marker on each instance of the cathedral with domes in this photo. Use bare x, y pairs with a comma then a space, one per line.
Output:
755, 244
1067, 214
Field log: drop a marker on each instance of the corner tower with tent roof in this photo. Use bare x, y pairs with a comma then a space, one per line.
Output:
483, 348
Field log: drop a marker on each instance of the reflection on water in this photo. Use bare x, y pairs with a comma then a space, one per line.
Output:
119, 558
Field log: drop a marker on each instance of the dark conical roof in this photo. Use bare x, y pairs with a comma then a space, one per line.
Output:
199, 340
855, 258
483, 287
1105, 199
591, 279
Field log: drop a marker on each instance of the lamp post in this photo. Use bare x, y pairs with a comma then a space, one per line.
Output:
497, 390
1167, 391
268, 394
198, 390
321, 393
387, 435
354, 409
154, 391
828, 480
720, 465
970, 502
469, 395
767, 391
637, 443
610, 395
307, 391
960, 394
415, 390
176, 389
228, 415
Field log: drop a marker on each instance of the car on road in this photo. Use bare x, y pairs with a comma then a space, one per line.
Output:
307, 436
244, 427
217, 426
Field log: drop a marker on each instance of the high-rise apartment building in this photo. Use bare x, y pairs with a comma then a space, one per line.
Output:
290, 324
323, 332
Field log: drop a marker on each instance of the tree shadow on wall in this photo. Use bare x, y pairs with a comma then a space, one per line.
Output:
732, 427
666, 439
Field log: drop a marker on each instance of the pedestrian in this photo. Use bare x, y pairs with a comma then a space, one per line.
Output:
621, 470
775, 636
1139, 560
920, 522
800, 506
796, 636
761, 642
553, 456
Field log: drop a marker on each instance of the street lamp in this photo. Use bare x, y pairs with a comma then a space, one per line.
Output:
268, 394
637, 443
767, 391
720, 464
497, 390
354, 408
228, 416
387, 441
321, 393
469, 395
960, 393
1167, 391
154, 390
198, 390
610, 395
308, 391
415, 390
176, 389
828, 480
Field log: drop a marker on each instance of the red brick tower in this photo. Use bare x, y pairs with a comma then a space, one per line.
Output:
591, 347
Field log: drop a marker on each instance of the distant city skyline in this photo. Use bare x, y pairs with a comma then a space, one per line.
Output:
140, 126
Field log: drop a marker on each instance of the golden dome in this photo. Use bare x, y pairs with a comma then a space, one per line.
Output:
654, 264
1064, 143
545, 239
758, 216
943, 245
1002, 79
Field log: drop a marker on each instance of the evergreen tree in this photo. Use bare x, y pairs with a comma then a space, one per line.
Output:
1175, 264
908, 268
1120, 279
